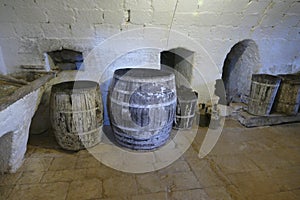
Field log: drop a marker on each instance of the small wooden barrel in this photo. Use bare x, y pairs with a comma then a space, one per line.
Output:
288, 97
262, 93
76, 114
185, 109
142, 105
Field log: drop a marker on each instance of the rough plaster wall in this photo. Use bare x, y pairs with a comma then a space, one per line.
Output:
31, 27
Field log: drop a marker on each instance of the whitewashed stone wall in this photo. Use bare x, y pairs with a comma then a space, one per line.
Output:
15, 122
31, 27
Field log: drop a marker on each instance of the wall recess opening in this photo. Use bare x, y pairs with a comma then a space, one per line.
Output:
64, 59
179, 59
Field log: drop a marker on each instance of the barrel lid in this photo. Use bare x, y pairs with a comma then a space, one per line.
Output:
266, 78
290, 78
74, 85
185, 93
143, 75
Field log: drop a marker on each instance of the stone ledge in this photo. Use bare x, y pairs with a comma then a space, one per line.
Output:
24, 90
249, 120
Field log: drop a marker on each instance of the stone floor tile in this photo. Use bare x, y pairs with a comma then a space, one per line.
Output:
218, 192
52, 191
227, 172
151, 196
254, 183
180, 181
235, 135
64, 175
288, 178
229, 148
34, 164
196, 194
63, 163
87, 189
292, 155
260, 145
5, 191
149, 183
87, 161
116, 198
103, 172
176, 167
191, 153
277, 196
30, 177
9, 179
268, 160
204, 173
49, 152
229, 164
296, 193
287, 134
118, 186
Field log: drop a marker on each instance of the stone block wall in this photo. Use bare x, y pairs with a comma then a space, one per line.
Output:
29, 28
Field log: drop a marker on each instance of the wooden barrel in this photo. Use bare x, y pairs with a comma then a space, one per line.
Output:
185, 109
288, 97
142, 105
76, 114
262, 93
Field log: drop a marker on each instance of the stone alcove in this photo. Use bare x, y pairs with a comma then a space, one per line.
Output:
181, 60
65, 59
241, 62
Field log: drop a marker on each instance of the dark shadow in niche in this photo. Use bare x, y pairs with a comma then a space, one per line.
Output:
6, 145
66, 59
104, 88
181, 60
241, 62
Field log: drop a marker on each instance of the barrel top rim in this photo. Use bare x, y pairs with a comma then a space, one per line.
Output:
290, 78
75, 85
270, 78
142, 74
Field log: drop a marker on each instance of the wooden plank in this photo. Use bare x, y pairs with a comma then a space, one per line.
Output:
11, 79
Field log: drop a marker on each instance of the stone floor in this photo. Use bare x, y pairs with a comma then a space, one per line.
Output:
246, 163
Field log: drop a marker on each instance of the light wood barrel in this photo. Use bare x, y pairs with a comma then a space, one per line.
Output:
185, 109
288, 97
76, 114
142, 107
263, 91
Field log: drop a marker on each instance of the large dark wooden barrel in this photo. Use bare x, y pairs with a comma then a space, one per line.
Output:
288, 97
262, 93
185, 109
142, 106
76, 114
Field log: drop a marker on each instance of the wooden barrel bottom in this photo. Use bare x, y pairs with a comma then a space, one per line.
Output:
78, 141
149, 143
256, 107
287, 108
263, 90
184, 122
